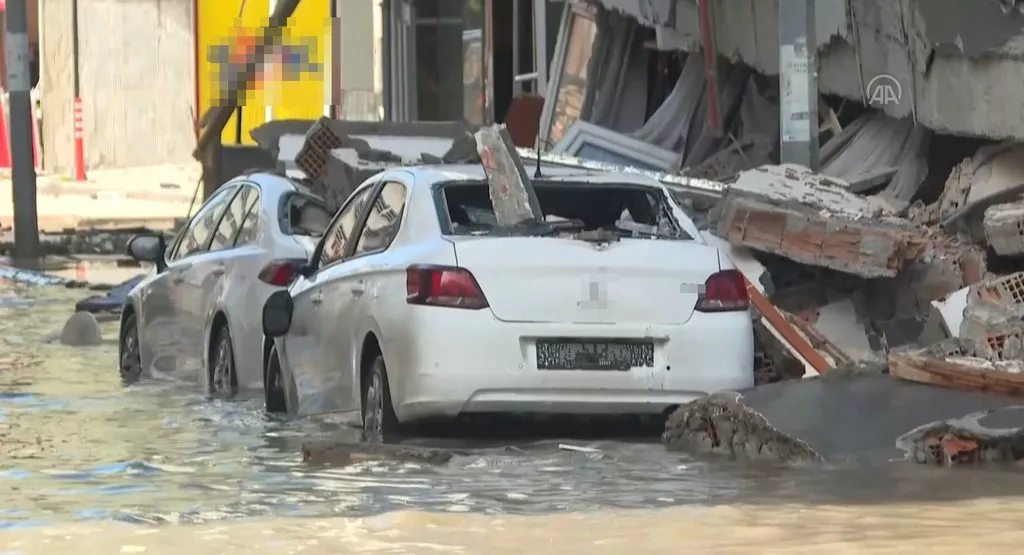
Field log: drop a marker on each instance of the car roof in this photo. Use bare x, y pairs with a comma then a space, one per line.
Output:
429, 175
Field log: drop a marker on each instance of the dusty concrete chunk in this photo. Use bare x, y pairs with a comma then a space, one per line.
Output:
1004, 228
811, 219
992, 436
944, 267
993, 175
721, 425
511, 191
993, 319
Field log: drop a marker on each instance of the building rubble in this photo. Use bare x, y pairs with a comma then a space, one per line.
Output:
930, 294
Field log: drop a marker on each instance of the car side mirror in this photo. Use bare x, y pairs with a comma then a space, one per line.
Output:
277, 313
148, 247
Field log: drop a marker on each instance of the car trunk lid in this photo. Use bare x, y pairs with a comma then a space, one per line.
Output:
563, 279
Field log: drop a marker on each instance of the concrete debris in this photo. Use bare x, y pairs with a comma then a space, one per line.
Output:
1004, 228
806, 217
844, 418
512, 195
336, 156
945, 317
721, 425
994, 175
991, 436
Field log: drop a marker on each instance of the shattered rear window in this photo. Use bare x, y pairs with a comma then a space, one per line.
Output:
626, 209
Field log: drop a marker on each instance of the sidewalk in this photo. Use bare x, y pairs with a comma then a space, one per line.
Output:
150, 196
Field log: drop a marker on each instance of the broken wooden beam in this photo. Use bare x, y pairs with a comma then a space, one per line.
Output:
811, 219
959, 372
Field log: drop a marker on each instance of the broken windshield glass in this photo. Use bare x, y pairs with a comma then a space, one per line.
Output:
623, 210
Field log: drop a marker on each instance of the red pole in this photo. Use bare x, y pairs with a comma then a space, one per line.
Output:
79, 124
79, 142
707, 38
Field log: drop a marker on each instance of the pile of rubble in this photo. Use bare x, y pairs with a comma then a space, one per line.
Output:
856, 279
849, 284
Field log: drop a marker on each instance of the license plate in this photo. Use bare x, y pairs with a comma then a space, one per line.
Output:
594, 354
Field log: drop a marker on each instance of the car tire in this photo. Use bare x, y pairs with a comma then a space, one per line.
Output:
222, 377
380, 424
130, 359
273, 385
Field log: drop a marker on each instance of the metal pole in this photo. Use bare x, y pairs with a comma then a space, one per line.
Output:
335, 58
23, 170
77, 79
798, 83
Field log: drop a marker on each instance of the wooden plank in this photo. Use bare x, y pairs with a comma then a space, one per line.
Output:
955, 375
786, 329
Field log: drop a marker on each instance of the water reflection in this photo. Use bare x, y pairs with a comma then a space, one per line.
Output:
77, 446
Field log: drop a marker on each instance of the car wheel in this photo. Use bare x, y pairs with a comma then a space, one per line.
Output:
222, 364
273, 385
131, 354
380, 425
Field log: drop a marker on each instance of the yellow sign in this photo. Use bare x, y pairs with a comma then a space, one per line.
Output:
291, 80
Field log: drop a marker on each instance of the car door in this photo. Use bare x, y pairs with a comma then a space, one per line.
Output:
215, 272
308, 343
243, 293
159, 315
351, 286
161, 318
188, 276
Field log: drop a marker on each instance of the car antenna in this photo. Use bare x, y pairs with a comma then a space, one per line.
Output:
536, 173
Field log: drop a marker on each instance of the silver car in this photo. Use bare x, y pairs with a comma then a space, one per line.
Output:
197, 314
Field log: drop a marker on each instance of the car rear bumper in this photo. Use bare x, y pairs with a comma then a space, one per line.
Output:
445, 362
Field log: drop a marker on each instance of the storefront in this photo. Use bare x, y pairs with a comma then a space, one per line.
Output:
461, 60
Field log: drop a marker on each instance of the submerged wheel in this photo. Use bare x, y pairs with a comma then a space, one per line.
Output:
130, 364
380, 425
222, 364
273, 385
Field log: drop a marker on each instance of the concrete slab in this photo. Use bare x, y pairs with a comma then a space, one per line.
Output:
854, 418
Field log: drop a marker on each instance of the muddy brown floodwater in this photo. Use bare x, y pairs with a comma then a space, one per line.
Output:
89, 466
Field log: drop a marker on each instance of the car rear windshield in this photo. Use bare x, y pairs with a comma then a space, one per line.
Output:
625, 209
305, 215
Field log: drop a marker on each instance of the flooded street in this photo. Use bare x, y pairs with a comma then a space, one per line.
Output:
89, 465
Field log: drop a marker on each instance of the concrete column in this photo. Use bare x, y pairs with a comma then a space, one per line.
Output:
798, 83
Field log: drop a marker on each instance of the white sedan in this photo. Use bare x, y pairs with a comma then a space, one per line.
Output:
197, 314
416, 305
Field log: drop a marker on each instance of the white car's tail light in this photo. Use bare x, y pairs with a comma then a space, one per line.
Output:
443, 286
724, 291
281, 272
